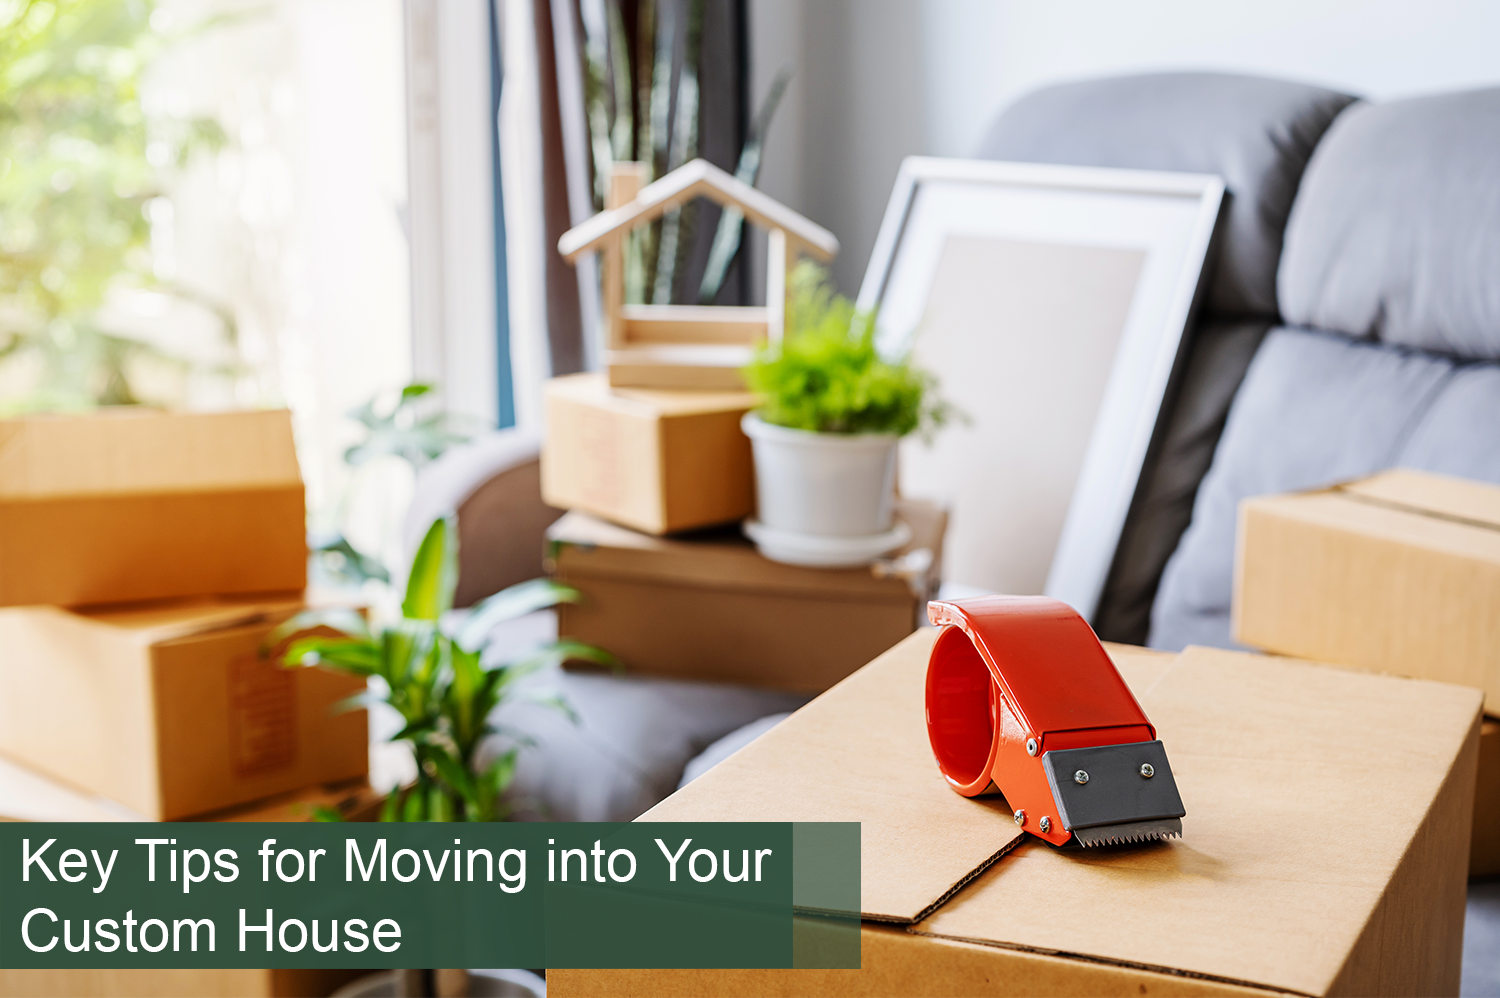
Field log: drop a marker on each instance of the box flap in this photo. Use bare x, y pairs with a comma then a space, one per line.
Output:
1471, 502
142, 451
1288, 846
159, 621
876, 767
581, 544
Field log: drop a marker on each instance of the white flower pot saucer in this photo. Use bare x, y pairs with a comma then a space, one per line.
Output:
821, 551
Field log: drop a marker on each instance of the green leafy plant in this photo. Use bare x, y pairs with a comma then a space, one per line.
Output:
429, 662
827, 376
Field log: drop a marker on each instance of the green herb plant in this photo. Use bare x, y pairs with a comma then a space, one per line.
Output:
429, 661
827, 376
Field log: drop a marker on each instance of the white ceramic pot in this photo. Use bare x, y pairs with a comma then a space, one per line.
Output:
825, 484
824, 498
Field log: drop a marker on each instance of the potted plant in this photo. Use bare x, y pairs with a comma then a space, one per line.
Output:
428, 661
824, 436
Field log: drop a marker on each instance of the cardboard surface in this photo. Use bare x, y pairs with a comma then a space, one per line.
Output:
860, 753
895, 962
354, 800
134, 504
710, 607
170, 709
1397, 573
658, 461
1323, 852
1324, 848
1484, 851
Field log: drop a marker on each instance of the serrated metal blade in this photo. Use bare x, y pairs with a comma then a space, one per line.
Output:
1127, 832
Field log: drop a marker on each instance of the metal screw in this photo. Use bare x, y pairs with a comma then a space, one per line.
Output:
1020, 817
1147, 771
1045, 824
1031, 746
1080, 777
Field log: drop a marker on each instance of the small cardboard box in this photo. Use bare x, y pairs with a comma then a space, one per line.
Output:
710, 607
1398, 573
1323, 851
658, 461
171, 709
133, 504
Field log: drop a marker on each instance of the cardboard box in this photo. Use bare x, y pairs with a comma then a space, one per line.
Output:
170, 709
133, 504
710, 607
353, 800
1398, 573
1323, 851
658, 461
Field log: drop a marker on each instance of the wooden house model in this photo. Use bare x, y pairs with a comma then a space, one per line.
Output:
688, 346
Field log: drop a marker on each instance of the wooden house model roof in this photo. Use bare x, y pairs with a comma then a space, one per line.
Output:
698, 178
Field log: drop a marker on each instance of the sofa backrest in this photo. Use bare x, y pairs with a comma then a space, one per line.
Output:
1395, 235
1258, 134
1391, 275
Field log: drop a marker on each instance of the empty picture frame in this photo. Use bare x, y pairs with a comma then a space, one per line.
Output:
1051, 303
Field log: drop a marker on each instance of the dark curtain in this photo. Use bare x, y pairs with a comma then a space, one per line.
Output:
564, 316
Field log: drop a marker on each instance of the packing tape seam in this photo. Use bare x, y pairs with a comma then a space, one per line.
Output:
1401, 507
1114, 962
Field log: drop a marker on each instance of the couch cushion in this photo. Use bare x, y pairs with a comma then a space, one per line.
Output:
1395, 234
1460, 432
1255, 133
627, 750
1314, 409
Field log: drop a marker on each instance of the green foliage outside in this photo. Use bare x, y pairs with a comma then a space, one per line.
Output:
826, 375
408, 428
80, 162
433, 676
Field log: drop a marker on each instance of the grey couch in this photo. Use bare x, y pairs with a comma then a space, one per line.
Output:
1351, 324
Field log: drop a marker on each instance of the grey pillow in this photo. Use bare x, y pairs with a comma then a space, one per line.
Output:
627, 751
1256, 133
1395, 234
1314, 409
1460, 432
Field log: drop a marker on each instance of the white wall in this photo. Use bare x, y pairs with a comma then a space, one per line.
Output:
882, 79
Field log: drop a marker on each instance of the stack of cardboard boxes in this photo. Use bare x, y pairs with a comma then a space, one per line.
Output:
656, 481
145, 559
649, 458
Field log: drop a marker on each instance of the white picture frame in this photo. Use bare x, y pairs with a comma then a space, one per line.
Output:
1051, 302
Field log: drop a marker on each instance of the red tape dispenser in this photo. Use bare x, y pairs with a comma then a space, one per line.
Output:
1022, 699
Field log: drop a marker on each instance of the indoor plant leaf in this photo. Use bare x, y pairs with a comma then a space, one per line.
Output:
509, 603
434, 572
